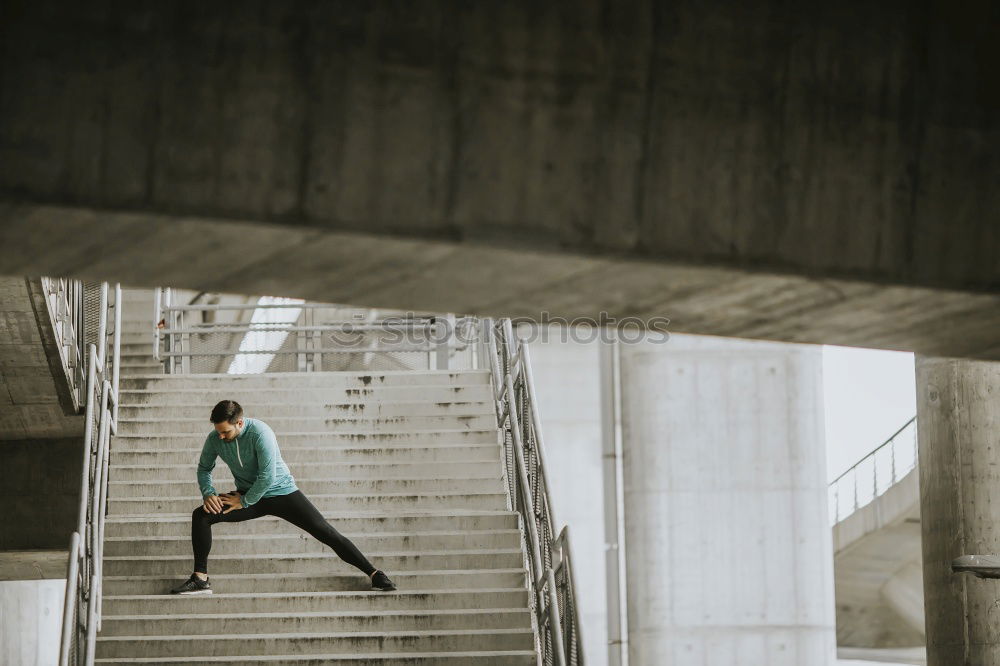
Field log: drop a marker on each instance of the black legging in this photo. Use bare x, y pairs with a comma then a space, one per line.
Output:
293, 507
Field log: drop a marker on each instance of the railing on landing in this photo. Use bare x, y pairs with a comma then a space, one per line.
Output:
550, 565
874, 474
273, 335
82, 604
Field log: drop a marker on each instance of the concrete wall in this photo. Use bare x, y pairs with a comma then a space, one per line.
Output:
728, 549
727, 537
40, 492
31, 621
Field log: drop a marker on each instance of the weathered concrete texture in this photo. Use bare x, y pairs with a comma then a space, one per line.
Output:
845, 140
958, 418
377, 271
34, 392
34, 564
40, 493
32, 621
727, 537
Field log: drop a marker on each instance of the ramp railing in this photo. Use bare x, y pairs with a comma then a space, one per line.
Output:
550, 567
874, 474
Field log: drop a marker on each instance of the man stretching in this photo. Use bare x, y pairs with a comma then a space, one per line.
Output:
250, 449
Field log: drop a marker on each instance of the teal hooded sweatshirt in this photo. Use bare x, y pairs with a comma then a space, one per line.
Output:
253, 458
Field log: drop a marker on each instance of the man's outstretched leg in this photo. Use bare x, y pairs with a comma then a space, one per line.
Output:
201, 543
296, 508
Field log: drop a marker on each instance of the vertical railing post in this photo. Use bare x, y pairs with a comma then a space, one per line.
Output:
185, 344
157, 301
300, 351
855, 476
892, 457
317, 343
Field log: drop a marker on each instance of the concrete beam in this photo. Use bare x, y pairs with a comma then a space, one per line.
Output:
835, 141
146, 250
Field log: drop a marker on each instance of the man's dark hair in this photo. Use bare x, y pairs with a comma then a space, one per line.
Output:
227, 410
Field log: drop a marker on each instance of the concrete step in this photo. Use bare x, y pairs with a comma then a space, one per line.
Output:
153, 525
486, 658
444, 471
135, 366
327, 409
228, 541
311, 380
324, 642
315, 622
335, 582
135, 347
275, 602
348, 423
138, 336
135, 325
311, 485
330, 502
173, 441
326, 561
358, 457
250, 396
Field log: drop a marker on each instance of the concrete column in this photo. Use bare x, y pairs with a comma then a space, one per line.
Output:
728, 547
958, 425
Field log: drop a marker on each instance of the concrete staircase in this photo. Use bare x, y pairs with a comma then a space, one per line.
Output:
407, 464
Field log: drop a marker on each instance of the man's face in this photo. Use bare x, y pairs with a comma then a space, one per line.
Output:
228, 431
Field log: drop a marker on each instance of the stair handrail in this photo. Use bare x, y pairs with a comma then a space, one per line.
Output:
82, 603
896, 472
553, 590
64, 300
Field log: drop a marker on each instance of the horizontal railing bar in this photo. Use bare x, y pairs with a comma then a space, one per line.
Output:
325, 350
264, 306
272, 326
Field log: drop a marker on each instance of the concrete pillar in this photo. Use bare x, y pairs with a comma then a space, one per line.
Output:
728, 546
958, 425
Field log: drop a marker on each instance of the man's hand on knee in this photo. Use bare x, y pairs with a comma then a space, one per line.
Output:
232, 500
213, 504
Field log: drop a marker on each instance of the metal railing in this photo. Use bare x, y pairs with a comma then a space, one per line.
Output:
554, 604
207, 338
874, 474
65, 301
82, 605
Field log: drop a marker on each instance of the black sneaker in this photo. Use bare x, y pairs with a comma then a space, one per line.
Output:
193, 585
381, 582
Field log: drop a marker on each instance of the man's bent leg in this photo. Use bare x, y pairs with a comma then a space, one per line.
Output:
299, 511
201, 530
